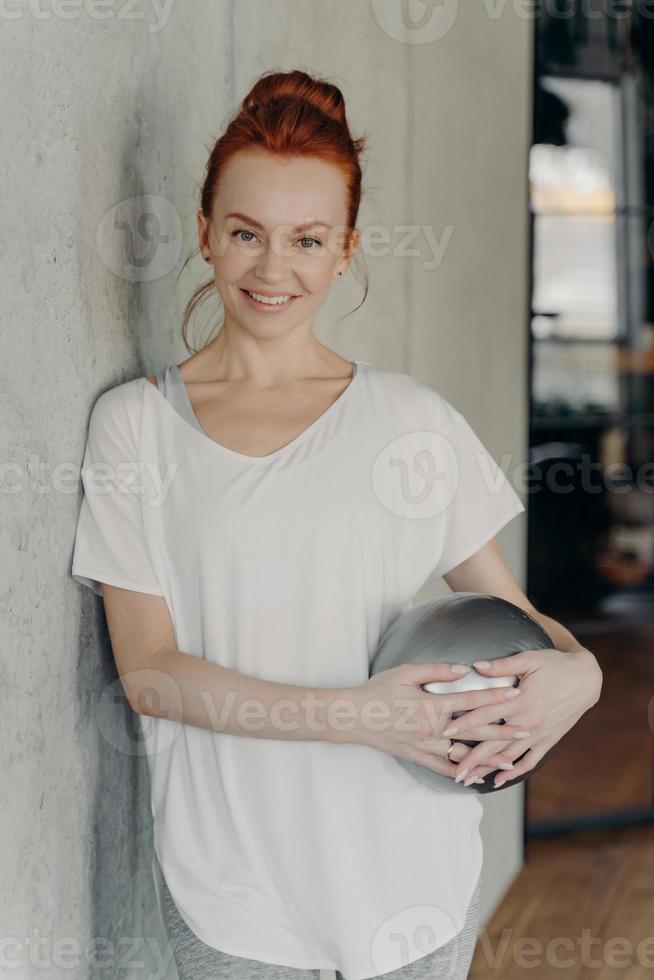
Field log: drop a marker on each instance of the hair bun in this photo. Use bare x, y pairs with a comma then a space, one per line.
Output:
297, 86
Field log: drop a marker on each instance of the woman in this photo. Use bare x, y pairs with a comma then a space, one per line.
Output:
251, 548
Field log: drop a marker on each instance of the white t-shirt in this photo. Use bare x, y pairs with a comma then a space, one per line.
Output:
289, 567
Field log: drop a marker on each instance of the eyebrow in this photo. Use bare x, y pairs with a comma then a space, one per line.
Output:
257, 224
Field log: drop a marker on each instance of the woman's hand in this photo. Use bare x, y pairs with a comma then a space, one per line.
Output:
411, 721
558, 688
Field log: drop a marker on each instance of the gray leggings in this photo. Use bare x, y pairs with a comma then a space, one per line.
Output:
197, 961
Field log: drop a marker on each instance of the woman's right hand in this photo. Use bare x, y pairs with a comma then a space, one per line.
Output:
412, 723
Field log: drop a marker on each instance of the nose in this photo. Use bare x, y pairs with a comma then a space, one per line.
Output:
273, 264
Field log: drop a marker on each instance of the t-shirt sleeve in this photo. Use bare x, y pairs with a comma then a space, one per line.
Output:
110, 544
482, 502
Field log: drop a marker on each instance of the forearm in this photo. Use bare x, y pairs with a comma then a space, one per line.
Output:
193, 691
563, 640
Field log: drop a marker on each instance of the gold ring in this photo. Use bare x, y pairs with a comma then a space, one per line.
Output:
448, 753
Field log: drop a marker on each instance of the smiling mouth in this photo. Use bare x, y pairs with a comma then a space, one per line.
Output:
262, 301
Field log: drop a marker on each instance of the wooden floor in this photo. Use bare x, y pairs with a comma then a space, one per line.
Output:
585, 901
578, 909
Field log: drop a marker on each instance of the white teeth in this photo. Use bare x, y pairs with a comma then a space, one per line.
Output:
270, 300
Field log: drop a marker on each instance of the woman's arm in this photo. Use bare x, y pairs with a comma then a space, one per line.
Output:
560, 689
487, 572
562, 638
164, 682
193, 691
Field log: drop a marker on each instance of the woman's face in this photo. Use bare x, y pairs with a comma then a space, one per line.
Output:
277, 230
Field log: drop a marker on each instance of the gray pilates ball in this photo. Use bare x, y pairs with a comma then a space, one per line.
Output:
460, 628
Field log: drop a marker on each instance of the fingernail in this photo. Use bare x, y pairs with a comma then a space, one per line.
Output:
500, 782
481, 663
451, 730
522, 734
461, 775
505, 765
479, 779
460, 669
470, 781
513, 692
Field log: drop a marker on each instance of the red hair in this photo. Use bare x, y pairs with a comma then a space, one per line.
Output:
288, 114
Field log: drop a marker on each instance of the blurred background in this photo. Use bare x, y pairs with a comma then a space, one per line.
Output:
591, 367
590, 542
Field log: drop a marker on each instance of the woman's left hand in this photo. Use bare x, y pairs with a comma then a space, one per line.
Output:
557, 686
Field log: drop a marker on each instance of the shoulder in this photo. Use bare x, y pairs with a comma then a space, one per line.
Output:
410, 399
116, 411
123, 398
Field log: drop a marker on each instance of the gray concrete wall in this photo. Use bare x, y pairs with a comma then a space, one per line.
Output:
110, 114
